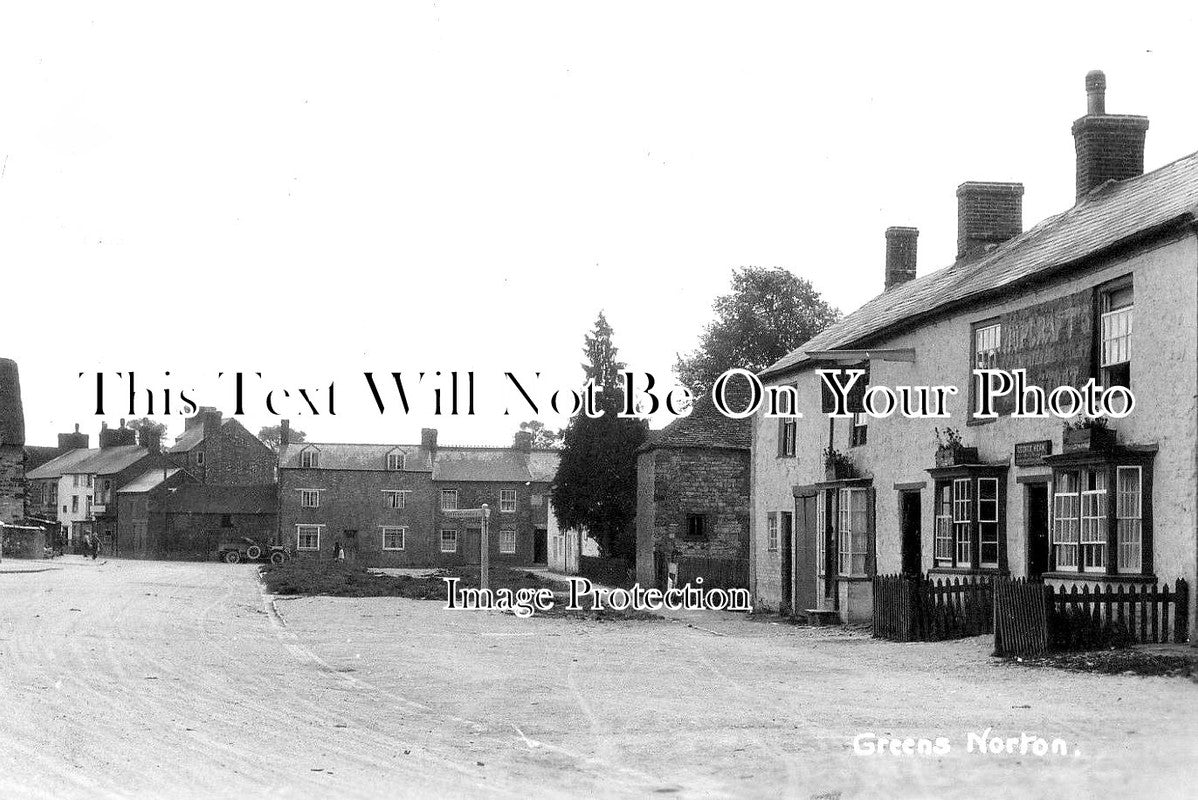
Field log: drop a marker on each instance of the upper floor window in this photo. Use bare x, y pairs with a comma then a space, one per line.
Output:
310, 498
771, 532
1117, 307
787, 433
986, 343
395, 461
858, 433
200, 459
507, 500
696, 526
449, 499
310, 459
395, 498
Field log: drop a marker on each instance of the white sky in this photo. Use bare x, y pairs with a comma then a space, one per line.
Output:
312, 190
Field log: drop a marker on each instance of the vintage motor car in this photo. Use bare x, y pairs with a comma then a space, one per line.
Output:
246, 549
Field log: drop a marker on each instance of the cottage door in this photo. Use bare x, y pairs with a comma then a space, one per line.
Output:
1037, 529
805, 547
349, 541
910, 519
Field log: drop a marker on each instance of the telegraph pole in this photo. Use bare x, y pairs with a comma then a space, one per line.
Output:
485, 544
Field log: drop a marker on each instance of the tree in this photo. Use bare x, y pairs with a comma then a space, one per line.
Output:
769, 313
595, 488
271, 435
541, 436
146, 429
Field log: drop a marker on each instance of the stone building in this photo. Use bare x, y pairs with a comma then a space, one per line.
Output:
693, 497
166, 513
1016, 496
397, 504
222, 452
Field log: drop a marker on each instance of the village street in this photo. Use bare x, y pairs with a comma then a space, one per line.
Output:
161, 679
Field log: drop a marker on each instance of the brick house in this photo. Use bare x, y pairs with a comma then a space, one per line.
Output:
166, 513
693, 493
1058, 300
222, 452
386, 504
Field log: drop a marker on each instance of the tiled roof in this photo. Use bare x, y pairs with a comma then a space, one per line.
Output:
94, 461
1113, 213
146, 482
355, 456
706, 427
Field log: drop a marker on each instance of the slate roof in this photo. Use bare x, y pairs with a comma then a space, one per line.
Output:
501, 464
147, 481
91, 461
356, 456
1112, 214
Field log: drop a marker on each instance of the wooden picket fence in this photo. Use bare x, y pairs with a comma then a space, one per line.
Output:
1031, 617
909, 608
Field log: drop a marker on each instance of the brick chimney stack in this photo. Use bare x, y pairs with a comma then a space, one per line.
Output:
151, 440
428, 439
523, 441
284, 433
1110, 147
900, 255
73, 441
988, 214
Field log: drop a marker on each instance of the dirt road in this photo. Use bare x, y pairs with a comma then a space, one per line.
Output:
181, 680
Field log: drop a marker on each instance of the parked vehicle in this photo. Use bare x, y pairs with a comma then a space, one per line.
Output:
246, 549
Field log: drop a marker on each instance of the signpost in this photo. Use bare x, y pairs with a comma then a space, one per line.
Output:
483, 514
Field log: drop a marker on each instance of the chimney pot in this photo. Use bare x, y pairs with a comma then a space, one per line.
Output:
1110, 147
900, 255
988, 213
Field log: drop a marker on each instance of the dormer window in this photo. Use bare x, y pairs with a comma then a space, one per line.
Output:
310, 459
396, 460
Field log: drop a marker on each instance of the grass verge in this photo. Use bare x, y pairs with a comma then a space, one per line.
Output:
338, 579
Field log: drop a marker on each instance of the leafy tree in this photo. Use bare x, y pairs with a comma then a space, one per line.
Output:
541, 436
146, 427
769, 312
595, 489
271, 435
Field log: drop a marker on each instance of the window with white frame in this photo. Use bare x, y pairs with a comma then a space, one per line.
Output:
771, 532
309, 459
449, 540
395, 498
852, 531
986, 343
988, 522
393, 538
395, 461
1066, 520
963, 521
1128, 511
309, 498
1093, 527
859, 431
307, 537
507, 500
944, 525
507, 541
449, 499
1118, 309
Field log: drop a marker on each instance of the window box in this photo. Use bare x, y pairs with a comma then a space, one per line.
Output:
956, 456
1088, 440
